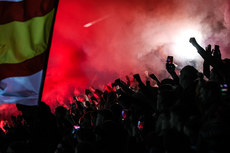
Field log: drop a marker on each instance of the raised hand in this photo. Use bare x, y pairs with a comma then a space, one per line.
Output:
137, 77
153, 76
170, 67
216, 52
208, 49
193, 41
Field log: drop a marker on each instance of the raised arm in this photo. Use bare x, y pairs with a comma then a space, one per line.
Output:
171, 70
211, 60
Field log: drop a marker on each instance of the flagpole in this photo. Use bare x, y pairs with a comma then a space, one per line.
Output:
47, 54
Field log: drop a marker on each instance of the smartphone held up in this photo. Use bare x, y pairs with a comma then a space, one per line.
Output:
169, 64
169, 60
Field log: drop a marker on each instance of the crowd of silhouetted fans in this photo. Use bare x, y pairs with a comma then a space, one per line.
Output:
186, 113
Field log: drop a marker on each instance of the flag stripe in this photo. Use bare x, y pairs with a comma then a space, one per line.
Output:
21, 90
11, 0
24, 10
25, 68
20, 41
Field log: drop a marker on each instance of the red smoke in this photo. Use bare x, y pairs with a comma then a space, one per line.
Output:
125, 37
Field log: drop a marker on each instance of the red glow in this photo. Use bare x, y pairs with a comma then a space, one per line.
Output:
108, 88
140, 125
123, 37
2, 124
95, 42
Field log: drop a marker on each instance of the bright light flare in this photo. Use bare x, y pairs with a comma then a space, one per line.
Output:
182, 47
88, 24
95, 21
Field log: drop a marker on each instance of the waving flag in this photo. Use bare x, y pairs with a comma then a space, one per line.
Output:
25, 33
